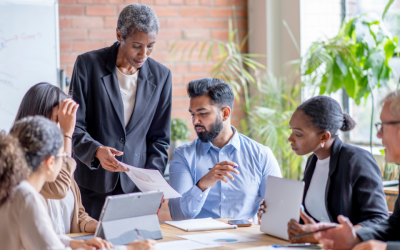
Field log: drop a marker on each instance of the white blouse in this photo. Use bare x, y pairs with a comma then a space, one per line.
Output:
315, 198
25, 223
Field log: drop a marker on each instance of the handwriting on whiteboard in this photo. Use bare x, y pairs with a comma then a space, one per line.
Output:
23, 36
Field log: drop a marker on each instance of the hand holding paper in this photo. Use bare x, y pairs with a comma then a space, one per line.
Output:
150, 180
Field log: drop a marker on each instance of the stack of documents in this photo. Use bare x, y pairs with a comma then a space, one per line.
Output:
150, 180
200, 224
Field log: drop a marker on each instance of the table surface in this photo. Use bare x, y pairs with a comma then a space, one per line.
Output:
391, 190
170, 234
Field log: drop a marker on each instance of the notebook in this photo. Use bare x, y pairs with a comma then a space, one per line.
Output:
200, 224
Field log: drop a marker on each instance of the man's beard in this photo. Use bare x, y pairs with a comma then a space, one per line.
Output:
215, 129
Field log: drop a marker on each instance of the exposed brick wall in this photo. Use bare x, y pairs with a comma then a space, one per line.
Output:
90, 24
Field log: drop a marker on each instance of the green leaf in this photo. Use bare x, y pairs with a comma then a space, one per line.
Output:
341, 64
387, 8
350, 85
389, 51
375, 60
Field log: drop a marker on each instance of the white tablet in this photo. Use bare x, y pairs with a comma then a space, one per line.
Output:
283, 198
125, 215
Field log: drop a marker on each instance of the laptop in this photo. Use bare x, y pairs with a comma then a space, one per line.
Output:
125, 216
283, 198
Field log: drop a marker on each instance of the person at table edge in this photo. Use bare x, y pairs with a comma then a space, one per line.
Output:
125, 109
235, 185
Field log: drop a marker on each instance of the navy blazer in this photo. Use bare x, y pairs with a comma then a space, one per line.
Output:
354, 188
387, 230
100, 119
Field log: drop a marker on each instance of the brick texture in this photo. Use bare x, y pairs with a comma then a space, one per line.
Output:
87, 25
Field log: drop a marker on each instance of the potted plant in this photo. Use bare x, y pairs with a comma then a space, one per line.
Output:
179, 133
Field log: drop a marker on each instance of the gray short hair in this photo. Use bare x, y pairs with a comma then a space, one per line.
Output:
394, 99
137, 17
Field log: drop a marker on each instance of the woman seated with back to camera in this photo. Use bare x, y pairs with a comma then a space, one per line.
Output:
63, 196
25, 223
339, 178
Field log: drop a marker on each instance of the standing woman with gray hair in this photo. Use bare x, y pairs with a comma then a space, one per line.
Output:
125, 109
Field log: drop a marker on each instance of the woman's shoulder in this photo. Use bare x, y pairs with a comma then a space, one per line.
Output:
154, 65
349, 150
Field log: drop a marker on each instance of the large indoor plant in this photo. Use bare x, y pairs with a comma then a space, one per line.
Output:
356, 60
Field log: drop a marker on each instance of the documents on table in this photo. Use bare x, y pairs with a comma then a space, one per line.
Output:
183, 245
200, 224
150, 180
220, 238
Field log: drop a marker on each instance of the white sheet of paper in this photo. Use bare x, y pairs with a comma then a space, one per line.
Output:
183, 245
150, 180
219, 238
272, 248
200, 224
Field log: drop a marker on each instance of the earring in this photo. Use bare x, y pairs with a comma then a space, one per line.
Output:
322, 145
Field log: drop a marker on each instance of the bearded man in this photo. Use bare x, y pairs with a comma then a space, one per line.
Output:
222, 173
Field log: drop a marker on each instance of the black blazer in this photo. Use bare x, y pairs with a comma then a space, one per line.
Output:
354, 188
100, 119
387, 230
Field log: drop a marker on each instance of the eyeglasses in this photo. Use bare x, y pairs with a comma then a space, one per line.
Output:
64, 157
379, 125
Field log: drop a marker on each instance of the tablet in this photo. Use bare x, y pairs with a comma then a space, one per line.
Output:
283, 198
123, 214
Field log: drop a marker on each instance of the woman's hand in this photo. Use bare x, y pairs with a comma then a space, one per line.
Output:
67, 116
106, 156
295, 228
92, 244
141, 245
261, 211
91, 226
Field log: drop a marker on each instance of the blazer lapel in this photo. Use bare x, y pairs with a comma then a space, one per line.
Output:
111, 84
145, 90
336, 147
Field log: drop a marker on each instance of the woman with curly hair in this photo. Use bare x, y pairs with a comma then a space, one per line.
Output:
25, 223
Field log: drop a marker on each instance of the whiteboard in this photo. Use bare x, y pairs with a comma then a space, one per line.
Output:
29, 51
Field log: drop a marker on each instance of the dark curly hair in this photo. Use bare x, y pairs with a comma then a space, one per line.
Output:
39, 137
326, 114
13, 168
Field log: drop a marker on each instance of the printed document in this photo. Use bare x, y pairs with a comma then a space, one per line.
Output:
200, 224
150, 180
219, 238
183, 245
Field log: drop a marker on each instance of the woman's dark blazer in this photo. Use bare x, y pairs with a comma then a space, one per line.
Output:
354, 188
100, 119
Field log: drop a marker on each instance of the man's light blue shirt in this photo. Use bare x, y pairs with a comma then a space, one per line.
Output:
237, 199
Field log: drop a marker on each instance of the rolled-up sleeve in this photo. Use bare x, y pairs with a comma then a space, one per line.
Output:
190, 204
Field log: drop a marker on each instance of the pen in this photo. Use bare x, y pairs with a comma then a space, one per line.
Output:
138, 234
310, 233
233, 167
301, 245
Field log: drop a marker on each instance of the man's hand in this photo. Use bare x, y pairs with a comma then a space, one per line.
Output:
217, 173
106, 156
341, 237
371, 245
92, 244
294, 228
141, 245
67, 116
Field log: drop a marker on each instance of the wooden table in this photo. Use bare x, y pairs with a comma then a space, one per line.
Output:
391, 191
170, 233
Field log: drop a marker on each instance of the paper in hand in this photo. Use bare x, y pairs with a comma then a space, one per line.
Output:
150, 180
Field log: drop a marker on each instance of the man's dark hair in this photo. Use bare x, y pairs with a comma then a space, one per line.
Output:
219, 91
